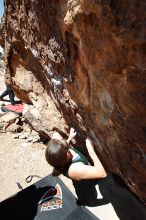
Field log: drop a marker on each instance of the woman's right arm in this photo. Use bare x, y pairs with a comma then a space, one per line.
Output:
97, 163
79, 171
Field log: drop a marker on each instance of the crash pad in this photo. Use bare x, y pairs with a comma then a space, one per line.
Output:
48, 198
18, 108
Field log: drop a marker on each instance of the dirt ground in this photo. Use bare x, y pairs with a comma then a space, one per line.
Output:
18, 161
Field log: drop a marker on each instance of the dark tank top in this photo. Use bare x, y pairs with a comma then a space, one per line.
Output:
79, 158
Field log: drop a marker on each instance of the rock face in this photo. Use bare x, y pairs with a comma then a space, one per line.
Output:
2, 34
82, 64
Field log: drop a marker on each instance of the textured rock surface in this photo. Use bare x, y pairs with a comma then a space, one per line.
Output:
2, 34
86, 60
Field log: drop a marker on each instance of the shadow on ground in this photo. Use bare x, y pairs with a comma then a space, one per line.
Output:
111, 190
22, 205
47, 199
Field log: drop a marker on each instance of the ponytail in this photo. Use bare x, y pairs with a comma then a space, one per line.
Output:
56, 172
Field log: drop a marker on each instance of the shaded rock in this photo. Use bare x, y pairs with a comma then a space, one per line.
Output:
23, 136
7, 119
33, 138
14, 128
1, 56
2, 65
2, 33
26, 127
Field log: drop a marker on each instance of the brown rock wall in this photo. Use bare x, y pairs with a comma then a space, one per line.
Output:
87, 60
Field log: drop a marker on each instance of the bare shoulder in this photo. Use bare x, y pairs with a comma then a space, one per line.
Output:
76, 170
79, 171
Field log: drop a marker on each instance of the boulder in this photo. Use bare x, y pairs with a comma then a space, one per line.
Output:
82, 64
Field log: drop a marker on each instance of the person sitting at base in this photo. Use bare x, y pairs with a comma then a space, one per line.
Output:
9, 91
70, 162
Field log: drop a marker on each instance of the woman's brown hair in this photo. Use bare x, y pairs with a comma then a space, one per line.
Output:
56, 155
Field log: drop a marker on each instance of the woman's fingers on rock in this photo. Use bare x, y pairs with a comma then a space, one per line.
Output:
89, 142
73, 132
